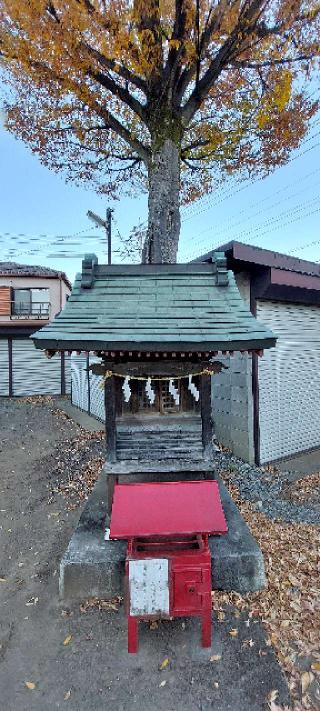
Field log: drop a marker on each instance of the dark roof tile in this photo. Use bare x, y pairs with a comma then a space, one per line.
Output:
188, 307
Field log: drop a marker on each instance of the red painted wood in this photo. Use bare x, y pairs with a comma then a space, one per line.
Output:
166, 509
189, 584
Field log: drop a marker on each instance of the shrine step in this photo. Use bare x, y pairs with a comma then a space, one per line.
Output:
162, 444
93, 567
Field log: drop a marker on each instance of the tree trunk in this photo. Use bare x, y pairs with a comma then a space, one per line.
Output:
161, 244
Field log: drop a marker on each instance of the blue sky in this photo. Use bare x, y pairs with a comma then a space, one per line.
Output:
281, 212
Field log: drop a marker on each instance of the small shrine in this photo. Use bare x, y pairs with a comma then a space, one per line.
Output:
159, 330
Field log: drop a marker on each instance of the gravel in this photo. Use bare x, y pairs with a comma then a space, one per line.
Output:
265, 489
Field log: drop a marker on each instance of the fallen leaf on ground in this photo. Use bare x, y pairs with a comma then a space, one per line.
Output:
100, 604
162, 683
273, 695
233, 633
215, 658
315, 666
306, 679
67, 695
291, 554
154, 624
67, 640
3, 580
30, 685
164, 664
248, 643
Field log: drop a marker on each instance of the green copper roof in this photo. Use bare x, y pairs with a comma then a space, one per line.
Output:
166, 307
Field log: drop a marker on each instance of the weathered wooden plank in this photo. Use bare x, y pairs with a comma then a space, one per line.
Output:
162, 368
206, 416
110, 406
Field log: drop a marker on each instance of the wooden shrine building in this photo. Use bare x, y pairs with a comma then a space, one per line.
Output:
159, 331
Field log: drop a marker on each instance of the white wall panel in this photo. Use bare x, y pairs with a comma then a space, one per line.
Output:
4, 367
67, 373
33, 373
79, 380
97, 407
289, 380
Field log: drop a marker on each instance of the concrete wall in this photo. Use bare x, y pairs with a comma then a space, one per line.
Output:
232, 403
58, 290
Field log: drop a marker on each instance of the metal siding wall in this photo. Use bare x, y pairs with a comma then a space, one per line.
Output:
97, 407
67, 371
232, 407
4, 367
289, 380
33, 373
79, 381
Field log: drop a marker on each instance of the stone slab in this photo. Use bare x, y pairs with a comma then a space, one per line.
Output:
90, 423
92, 566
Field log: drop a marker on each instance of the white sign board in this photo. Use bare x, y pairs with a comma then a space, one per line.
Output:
149, 587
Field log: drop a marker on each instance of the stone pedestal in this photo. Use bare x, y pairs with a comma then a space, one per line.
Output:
92, 566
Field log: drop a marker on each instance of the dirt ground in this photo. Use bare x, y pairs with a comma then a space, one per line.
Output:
53, 656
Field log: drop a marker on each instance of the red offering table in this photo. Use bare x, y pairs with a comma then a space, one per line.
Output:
167, 508
168, 563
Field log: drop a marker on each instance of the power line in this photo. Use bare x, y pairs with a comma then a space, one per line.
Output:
33, 236
260, 234
229, 226
230, 194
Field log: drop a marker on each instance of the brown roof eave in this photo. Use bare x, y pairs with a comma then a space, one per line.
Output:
257, 256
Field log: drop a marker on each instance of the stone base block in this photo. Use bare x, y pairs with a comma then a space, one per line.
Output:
93, 567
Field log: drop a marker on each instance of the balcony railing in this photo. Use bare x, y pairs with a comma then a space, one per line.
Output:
37, 310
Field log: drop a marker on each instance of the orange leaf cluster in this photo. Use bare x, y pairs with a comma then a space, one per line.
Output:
90, 84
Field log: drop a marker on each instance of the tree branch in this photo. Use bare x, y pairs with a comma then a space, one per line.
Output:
231, 47
271, 62
120, 91
114, 66
212, 24
115, 125
109, 119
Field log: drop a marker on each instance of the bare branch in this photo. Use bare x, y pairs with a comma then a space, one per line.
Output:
120, 69
271, 62
229, 50
120, 91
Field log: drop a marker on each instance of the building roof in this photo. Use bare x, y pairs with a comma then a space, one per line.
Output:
28, 270
167, 307
264, 257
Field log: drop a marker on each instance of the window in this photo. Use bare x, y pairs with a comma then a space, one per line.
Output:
31, 302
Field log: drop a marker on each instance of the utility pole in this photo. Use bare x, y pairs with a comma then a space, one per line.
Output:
103, 223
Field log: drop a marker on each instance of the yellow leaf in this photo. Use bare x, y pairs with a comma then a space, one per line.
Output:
175, 43
306, 679
30, 685
165, 663
215, 658
315, 666
67, 640
233, 633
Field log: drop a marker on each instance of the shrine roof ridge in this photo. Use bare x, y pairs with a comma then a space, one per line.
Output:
91, 270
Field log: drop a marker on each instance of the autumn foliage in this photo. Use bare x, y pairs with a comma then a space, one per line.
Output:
164, 96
